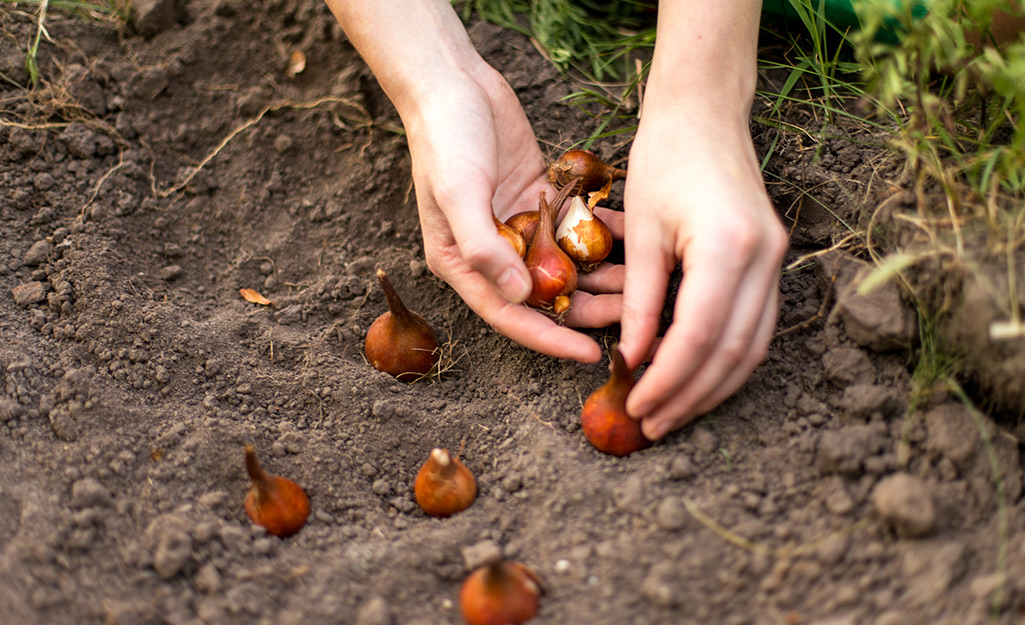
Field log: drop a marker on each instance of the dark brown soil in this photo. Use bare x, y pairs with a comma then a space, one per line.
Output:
145, 180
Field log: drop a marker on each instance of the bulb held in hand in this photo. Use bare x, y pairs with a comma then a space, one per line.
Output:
591, 170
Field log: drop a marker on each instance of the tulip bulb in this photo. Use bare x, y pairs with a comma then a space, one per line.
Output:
514, 238
592, 171
444, 486
583, 235
604, 419
400, 342
500, 593
275, 503
525, 224
552, 272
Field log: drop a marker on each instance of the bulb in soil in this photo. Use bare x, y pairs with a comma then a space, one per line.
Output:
400, 342
552, 272
583, 235
444, 486
591, 170
514, 238
275, 503
500, 593
604, 419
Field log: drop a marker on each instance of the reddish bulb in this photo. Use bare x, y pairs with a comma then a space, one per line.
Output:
604, 419
592, 171
500, 593
400, 342
444, 486
274, 502
552, 272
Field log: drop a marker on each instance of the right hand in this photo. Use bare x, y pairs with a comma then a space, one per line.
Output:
474, 154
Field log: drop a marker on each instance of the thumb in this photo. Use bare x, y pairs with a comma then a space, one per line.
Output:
473, 227
644, 291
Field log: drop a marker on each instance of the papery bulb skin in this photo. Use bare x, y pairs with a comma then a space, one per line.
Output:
275, 503
604, 419
584, 236
514, 238
400, 342
592, 171
444, 486
500, 593
552, 272
525, 224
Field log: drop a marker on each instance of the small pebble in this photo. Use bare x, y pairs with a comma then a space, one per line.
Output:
174, 550
906, 503
671, 514
88, 493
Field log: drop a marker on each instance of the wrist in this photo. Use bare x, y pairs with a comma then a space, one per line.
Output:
705, 59
414, 47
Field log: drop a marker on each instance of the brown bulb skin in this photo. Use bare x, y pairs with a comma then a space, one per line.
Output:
444, 486
500, 593
584, 236
400, 342
514, 238
275, 503
592, 171
604, 419
524, 223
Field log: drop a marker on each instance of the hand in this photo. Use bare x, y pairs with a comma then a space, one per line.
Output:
473, 153
695, 194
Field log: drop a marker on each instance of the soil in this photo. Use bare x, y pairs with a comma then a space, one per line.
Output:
157, 169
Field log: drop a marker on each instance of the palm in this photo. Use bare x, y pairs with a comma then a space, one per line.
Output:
474, 156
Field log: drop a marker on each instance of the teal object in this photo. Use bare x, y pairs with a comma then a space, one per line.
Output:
840, 13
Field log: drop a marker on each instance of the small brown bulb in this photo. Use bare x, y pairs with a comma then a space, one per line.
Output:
552, 272
584, 236
592, 171
514, 238
444, 486
500, 593
525, 224
604, 419
400, 342
275, 503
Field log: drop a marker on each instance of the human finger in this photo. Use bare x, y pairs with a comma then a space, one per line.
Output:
607, 278
646, 278
615, 220
471, 221
594, 311
737, 350
756, 357
523, 325
702, 307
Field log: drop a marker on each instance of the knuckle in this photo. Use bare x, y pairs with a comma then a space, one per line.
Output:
475, 253
735, 352
700, 338
745, 240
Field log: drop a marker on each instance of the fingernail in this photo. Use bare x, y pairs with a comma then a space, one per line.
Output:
659, 430
513, 286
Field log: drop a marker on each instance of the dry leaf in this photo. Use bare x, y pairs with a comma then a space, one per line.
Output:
253, 297
296, 63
